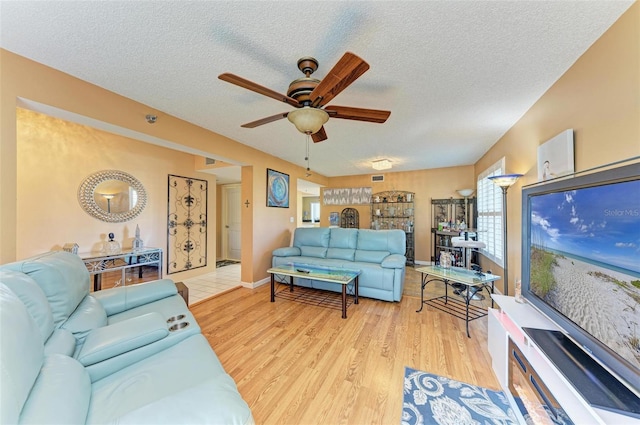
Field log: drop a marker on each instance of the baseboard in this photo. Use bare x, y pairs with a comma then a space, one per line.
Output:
254, 285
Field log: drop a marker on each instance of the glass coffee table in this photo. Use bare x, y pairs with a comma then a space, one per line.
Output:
339, 275
474, 282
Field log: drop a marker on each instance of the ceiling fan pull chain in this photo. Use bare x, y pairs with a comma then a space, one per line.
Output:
307, 155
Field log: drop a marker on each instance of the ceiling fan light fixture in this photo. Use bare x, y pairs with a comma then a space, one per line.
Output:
308, 120
382, 164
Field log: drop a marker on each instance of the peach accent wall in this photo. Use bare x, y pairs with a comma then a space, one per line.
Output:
426, 184
55, 156
599, 97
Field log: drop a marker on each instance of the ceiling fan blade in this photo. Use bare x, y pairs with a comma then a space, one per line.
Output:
319, 135
250, 85
266, 120
345, 72
358, 114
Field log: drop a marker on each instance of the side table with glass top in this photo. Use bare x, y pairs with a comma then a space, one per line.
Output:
473, 281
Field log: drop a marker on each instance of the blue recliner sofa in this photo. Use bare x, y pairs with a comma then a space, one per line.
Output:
378, 254
132, 354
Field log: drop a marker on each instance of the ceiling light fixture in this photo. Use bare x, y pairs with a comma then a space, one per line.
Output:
382, 164
308, 120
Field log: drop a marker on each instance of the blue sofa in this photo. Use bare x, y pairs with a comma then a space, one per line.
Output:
132, 354
379, 254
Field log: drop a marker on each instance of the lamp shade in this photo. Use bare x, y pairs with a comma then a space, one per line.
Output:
505, 180
465, 192
308, 120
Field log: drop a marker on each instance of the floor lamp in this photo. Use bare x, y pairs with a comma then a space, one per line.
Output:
505, 182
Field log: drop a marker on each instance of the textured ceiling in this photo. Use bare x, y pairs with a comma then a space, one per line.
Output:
456, 75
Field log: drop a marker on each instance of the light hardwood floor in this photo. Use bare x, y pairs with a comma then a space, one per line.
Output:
301, 364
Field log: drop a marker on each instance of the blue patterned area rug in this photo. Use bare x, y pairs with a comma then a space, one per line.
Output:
433, 399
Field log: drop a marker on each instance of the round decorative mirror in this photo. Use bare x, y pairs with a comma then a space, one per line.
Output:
112, 196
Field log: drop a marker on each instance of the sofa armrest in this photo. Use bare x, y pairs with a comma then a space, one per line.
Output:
289, 251
394, 261
110, 341
123, 298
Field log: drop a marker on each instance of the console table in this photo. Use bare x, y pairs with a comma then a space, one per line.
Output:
98, 263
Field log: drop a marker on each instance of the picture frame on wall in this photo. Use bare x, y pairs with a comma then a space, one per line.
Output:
334, 219
555, 157
277, 189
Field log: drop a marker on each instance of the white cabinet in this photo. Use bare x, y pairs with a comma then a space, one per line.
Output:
508, 323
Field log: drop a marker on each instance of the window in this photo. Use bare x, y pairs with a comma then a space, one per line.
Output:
490, 213
315, 212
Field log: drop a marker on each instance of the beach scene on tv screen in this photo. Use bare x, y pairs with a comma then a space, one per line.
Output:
585, 261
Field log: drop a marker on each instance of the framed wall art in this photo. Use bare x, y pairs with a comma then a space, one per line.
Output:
555, 156
277, 189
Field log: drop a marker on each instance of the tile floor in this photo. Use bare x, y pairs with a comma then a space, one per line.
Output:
210, 284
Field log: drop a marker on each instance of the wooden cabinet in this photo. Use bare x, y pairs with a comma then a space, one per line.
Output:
394, 210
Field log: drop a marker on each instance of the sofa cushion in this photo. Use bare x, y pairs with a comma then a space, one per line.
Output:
157, 377
312, 236
60, 395
394, 261
63, 278
343, 238
61, 341
370, 256
32, 297
196, 406
21, 355
313, 251
393, 241
341, 253
89, 315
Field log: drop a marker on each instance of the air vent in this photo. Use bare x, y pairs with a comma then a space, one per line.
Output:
210, 161
378, 178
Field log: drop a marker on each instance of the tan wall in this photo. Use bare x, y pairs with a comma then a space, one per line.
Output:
426, 184
55, 156
599, 97
23, 78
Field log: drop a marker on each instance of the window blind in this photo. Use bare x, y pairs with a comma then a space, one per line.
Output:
489, 198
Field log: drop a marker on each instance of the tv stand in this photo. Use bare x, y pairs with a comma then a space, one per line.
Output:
508, 323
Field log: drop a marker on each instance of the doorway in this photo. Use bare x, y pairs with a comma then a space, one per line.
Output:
231, 222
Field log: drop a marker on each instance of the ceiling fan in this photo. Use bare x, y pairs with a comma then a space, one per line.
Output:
310, 95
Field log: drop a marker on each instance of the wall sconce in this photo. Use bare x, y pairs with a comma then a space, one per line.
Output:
382, 164
505, 182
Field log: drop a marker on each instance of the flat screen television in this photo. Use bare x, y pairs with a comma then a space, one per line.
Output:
581, 262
